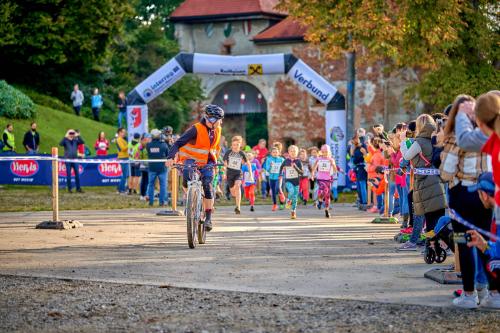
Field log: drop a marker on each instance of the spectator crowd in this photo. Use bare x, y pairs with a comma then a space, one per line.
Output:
434, 173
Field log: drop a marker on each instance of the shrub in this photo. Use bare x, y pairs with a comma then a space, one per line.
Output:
14, 103
46, 100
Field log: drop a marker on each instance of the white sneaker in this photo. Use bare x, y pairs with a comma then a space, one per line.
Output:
142, 198
482, 294
466, 302
491, 301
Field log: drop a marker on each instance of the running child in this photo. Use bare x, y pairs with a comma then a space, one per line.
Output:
272, 167
291, 170
249, 180
304, 178
322, 171
233, 161
312, 161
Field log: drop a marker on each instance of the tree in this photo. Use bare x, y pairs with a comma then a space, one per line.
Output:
424, 34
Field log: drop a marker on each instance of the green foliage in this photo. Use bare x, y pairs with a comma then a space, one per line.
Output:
46, 100
52, 126
439, 88
14, 104
44, 32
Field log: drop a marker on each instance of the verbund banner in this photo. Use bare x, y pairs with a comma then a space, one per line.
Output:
335, 121
31, 172
137, 120
311, 81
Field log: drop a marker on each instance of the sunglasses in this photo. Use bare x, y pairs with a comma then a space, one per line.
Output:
212, 120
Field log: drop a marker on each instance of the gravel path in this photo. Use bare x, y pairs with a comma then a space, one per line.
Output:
51, 305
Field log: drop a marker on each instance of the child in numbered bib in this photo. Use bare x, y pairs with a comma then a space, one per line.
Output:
290, 171
323, 171
234, 159
272, 167
250, 177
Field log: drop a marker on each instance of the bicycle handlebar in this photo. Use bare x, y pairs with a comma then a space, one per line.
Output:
196, 166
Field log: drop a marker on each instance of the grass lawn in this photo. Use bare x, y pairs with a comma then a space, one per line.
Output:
16, 198
52, 126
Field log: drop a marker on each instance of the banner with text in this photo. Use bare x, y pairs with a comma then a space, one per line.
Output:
311, 81
160, 80
261, 64
137, 120
336, 126
32, 172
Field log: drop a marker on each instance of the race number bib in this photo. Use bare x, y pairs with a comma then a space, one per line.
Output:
291, 173
234, 163
324, 166
248, 177
275, 167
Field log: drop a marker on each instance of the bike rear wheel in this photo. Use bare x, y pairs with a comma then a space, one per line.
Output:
192, 216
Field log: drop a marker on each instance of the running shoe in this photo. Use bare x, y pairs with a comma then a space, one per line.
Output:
319, 204
482, 293
251, 209
288, 204
208, 224
408, 246
293, 215
491, 301
237, 211
282, 206
467, 302
327, 214
275, 207
372, 210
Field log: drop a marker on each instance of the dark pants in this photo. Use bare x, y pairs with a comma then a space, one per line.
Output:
75, 167
144, 182
469, 206
95, 112
432, 218
77, 109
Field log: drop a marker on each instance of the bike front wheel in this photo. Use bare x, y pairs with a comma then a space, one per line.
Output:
192, 215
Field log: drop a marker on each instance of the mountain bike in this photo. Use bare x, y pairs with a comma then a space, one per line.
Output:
194, 212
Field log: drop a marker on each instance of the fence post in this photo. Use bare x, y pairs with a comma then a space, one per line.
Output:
55, 185
174, 194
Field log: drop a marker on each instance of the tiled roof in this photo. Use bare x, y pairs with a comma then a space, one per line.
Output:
286, 30
206, 9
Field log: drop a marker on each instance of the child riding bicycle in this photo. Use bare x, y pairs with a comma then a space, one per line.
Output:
200, 145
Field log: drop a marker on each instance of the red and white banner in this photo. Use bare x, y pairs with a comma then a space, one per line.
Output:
137, 120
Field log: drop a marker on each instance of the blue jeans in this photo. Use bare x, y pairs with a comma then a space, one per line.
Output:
380, 203
392, 191
275, 187
121, 115
362, 194
480, 276
75, 167
403, 199
122, 186
162, 177
418, 224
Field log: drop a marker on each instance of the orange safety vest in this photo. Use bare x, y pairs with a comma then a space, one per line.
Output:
201, 149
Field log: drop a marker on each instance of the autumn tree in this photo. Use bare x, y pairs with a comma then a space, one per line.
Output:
452, 37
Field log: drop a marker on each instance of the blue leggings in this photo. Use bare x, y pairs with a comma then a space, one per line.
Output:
293, 194
275, 187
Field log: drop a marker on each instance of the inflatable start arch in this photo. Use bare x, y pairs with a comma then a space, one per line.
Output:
262, 64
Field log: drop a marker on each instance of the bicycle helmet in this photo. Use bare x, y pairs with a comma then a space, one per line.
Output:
168, 130
214, 111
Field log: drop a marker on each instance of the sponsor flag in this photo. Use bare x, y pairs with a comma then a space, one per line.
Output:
137, 120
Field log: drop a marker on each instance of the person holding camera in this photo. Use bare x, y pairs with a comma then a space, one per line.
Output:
460, 170
70, 142
489, 248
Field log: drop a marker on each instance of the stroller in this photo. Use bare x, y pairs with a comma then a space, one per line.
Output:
443, 232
